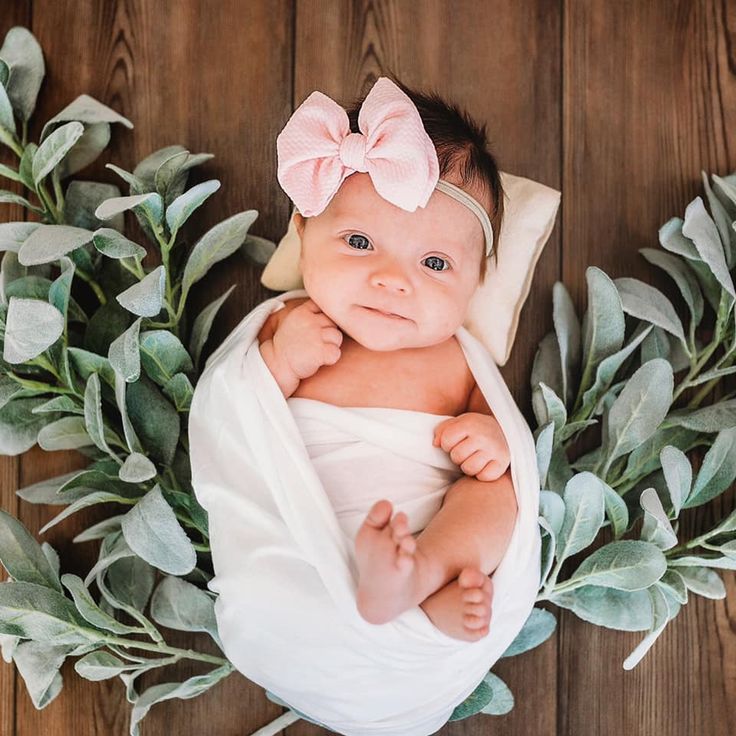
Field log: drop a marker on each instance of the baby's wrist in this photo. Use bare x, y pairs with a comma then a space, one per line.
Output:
282, 372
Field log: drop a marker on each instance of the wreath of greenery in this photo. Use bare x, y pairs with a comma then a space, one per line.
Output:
114, 381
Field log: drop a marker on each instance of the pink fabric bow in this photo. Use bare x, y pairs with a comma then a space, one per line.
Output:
317, 151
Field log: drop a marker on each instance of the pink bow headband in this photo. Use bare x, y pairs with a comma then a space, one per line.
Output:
317, 152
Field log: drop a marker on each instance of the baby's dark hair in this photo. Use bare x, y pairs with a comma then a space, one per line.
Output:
461, 145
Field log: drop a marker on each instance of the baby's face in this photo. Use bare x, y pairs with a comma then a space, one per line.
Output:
362, 251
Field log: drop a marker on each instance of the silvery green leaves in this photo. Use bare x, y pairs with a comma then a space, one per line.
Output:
23, 55
151, 530
146, 298
32, 326
216, 244
638, 410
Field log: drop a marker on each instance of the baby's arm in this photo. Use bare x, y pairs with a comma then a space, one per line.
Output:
281, 371
474, 440
298, 342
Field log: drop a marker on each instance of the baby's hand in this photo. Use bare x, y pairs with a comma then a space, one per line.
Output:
307, 339
475, 443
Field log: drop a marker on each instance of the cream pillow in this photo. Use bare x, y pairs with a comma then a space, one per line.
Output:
530, 210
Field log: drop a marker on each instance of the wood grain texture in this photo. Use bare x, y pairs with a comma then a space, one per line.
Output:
619, 105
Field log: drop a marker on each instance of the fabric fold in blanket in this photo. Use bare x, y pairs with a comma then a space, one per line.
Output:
286, 484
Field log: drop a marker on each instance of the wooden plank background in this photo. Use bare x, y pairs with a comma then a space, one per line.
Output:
620, 105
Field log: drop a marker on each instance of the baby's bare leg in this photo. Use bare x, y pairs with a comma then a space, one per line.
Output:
472, 529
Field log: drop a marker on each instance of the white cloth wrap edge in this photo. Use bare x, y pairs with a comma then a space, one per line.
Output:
286, 609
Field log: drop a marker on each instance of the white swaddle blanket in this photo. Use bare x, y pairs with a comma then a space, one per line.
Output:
286, 484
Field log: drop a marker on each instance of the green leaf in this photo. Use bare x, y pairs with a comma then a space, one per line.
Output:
678, 474
711, 418
60, 289
93, 418
683, 278
180, 390
163, 355
91, 499
624, 610
101, 665
86, 363
717, 470
567, 329
703, 581
656, 528
53, 149
64, 404
640, 407
180, 605
35, 612
216, 244
660, 617
149, 205
39, 664
178, 212
190, 688
22, 53
67, 433
492, 697
152, 531
131, 438
137, 468
22, 555
202, 325
628, 564
131, 581
99, 530
584, 505
701, 229
146, 298
538, 628
47, 491
124, 353
644, 302
154, 419
14, 234
47, 243
19, 426
91, 611
113, 244
31, 327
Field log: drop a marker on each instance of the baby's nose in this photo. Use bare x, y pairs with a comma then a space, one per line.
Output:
391, 279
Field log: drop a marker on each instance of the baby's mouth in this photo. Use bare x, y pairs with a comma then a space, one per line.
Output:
384, 314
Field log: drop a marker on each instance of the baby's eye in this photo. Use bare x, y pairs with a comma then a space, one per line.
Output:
436, 260
361, 240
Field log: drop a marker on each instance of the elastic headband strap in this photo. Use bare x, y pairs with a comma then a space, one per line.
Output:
474, 206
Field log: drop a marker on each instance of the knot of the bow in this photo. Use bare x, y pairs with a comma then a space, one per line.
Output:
352, 151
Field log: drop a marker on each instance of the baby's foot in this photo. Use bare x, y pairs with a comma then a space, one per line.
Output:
386, 558
462, 609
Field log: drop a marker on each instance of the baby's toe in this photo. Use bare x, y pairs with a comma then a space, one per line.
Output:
379, 514
474, 595
474, 622
471, 577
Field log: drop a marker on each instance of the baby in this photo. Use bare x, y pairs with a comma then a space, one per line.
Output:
388, 288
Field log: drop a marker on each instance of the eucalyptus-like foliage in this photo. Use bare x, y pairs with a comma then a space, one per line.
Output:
98, 353
614, 381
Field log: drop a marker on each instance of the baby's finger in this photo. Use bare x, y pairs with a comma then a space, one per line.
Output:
331, 353
473, 463
493, 470
332, 335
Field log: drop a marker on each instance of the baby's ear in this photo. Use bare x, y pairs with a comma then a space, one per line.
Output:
299, 222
